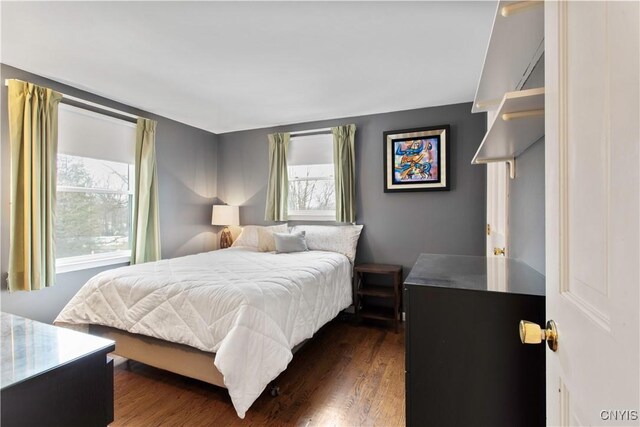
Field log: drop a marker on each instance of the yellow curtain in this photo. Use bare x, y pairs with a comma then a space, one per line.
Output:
344, 159
33, 135
145, 245
278, 184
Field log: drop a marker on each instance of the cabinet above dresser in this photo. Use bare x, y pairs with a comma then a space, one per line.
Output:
515, 50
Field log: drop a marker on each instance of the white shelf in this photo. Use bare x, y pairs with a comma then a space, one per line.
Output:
515, 46
509, 135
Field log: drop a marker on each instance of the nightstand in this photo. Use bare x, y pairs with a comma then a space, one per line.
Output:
393, 292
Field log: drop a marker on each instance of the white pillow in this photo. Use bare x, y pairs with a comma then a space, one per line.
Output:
266, 241
249, 235
334, 238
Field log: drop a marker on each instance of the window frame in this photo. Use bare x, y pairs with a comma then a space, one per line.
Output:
83, 262
327, 215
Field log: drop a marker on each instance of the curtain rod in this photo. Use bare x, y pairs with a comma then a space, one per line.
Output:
304, 132
84, 102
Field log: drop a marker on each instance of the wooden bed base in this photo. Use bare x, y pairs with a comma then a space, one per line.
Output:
177, 358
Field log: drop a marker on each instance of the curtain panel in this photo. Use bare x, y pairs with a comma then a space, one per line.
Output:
33, 136
344, 159
145, 244
278, 184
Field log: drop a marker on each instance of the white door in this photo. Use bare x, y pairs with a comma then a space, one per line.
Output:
497, 223
592, 211
497, 204
497, 211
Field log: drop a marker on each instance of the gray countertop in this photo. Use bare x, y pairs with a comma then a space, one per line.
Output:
478, 273
30, 348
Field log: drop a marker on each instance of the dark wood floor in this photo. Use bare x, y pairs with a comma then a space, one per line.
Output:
348, 375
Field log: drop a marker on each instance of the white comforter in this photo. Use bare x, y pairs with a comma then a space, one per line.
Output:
250, 308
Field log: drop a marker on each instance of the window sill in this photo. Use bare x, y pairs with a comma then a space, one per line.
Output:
84, 262
328, 218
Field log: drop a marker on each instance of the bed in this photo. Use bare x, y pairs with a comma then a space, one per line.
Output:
230, 317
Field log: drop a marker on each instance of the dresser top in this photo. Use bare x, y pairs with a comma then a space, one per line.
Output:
478, 273
29, 348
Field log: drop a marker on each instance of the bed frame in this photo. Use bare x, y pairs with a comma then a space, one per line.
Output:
177, 358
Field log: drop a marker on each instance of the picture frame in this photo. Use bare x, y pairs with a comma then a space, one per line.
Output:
417, 159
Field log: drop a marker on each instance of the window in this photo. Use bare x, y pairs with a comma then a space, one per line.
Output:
312, 192
95, 189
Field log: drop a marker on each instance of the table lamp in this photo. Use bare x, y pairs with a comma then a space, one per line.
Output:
225, 215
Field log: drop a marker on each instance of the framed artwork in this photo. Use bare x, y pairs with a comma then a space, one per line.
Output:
417, 159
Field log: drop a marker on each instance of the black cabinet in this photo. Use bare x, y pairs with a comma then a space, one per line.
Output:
53, 376
465, 364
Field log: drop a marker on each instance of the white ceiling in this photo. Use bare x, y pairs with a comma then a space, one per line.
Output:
227, 66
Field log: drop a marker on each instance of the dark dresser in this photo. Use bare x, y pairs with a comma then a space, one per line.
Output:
53, 376
465, 364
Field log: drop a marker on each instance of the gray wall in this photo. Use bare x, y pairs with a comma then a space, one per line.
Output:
397, 226
526, 208
526, 196
187, 175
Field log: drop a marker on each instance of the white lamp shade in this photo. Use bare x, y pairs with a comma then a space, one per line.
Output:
225, 215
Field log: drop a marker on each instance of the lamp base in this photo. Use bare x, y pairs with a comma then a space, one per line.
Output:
225, 238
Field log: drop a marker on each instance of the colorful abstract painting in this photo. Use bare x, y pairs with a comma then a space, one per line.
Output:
416, 159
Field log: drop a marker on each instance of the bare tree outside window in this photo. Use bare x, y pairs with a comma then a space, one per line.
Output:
311, 188
94, 204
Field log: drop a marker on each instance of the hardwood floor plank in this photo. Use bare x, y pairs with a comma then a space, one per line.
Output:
347, 375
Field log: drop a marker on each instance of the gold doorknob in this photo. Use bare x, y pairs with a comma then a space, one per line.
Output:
532, 333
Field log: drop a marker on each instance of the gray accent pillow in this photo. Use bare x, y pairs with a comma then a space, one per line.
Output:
290, 242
